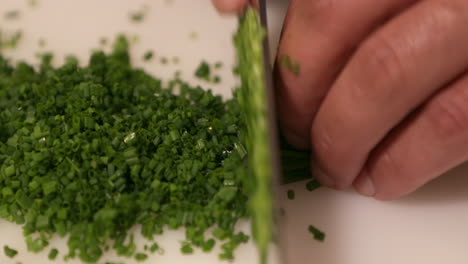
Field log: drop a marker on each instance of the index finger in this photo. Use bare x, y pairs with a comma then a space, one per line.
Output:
320, 36
230, 6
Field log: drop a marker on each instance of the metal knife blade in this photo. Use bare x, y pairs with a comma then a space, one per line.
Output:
273, 134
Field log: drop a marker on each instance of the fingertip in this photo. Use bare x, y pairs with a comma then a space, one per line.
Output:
322, 177
364, 185
230, 6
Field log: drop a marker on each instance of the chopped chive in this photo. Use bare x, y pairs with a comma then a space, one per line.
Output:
137, 16
33, 3
186, 249
53, 254
291, 195
13, 14
154, 247
218, 65
10, 41
216, 79
292, 66
10, 252
42, 43
193, 35
175, 60
318, 235
148, 55
141, 256
163, 60
203, 71
103, 41
312, 185
295, 68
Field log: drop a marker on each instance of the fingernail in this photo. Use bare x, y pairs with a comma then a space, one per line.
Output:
364, 185
322, 177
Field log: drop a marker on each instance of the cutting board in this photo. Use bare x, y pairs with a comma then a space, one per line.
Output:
426, 227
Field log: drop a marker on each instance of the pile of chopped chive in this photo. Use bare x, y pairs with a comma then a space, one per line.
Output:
91, 151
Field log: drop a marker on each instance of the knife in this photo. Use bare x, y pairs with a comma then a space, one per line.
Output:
260, 135
274, 146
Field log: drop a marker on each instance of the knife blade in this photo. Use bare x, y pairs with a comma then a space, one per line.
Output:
274, 146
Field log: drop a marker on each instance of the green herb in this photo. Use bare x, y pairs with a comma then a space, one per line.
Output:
9, 41
154, 247
193, 35
208, 245
286, 61
13, 14
186, 248
9, 252
203, 71
295, 68
252, 99
312, 185
139, 16
33, 3
218, 65
291, 195
42, 42
37, 244
53, 254
216, 79
141, 256
318, 235
289, 64
175, 60
103, 41
148, 56
89, 152
134, 39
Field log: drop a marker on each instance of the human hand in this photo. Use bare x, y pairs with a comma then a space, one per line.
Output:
382, 93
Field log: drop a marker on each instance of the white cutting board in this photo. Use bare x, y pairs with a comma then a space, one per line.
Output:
428, 227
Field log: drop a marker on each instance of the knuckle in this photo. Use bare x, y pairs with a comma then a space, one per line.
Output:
379, 66
448, 115
448, 10
310, 12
